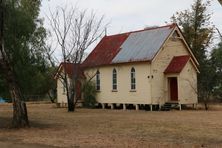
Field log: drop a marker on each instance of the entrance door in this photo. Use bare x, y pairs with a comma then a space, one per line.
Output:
173, 88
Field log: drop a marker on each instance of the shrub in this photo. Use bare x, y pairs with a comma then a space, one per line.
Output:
89, 94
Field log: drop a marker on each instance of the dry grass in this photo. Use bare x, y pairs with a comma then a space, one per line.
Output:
55, 127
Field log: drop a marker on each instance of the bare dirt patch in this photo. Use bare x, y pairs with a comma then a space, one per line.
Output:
55, 127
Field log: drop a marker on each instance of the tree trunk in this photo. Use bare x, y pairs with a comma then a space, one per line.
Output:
206, 105
20, 117
51, 97
71, 107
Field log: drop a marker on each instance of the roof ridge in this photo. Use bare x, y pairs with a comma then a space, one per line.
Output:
141, 30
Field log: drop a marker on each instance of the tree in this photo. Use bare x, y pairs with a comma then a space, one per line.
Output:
219, 32
25, 39
216, 56
220, 1
198, 31
24, 46
89, 92
75, 31
20, 117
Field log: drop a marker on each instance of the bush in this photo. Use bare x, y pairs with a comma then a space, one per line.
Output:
89, 94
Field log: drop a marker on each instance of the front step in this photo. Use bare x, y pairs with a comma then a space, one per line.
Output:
170, 105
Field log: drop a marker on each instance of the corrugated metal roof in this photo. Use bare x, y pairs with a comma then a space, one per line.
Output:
177, 64
142, 45
69, 69
105, 51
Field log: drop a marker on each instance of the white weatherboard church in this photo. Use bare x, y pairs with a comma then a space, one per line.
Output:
146, 67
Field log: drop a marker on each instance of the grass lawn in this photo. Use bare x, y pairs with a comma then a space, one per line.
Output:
55, 127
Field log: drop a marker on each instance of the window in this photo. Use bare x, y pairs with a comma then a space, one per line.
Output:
114, 79
133, 79
97, 80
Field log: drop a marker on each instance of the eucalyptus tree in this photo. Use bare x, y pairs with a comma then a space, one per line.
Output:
20, 117
198, 30
24, 67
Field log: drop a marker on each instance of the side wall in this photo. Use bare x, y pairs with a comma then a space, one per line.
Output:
173, 47
188, 85
61, 95
123, 94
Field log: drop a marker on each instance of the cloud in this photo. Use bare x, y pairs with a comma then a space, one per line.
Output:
128, 15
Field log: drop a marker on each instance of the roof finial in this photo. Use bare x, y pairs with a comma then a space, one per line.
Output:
105, 31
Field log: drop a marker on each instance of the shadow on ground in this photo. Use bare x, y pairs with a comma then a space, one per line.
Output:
5, 123
40, 125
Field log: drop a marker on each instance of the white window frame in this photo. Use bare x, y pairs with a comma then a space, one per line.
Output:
114, 79
133, 79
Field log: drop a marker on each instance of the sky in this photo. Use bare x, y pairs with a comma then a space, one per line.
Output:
130, 15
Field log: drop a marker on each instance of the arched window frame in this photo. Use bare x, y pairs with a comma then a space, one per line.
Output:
114, 79
133, 78
98, 80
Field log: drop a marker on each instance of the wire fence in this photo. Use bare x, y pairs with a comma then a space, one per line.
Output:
36, 98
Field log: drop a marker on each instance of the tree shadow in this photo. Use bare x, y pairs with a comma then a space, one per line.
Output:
6, 122
41, 125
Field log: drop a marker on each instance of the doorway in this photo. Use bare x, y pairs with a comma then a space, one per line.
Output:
173, 88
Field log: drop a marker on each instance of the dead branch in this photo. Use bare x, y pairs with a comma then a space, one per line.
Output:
75, 31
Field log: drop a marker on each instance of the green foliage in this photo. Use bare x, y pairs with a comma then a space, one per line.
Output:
24, 44
198, 31
216, 59
89, 94
196, 27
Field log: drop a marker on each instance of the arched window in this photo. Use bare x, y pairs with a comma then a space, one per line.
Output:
97, 80
133, 79
114, 79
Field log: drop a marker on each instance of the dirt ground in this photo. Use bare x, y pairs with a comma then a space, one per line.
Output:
55, 127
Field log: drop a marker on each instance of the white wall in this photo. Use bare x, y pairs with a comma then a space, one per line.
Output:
188, 85
61, 96
124, 93
159, 84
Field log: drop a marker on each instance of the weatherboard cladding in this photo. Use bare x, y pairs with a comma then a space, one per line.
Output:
135, 46
142, 46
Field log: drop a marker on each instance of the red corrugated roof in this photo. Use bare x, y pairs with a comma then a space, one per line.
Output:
177, 64
69, 69
109, 47
105, 51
